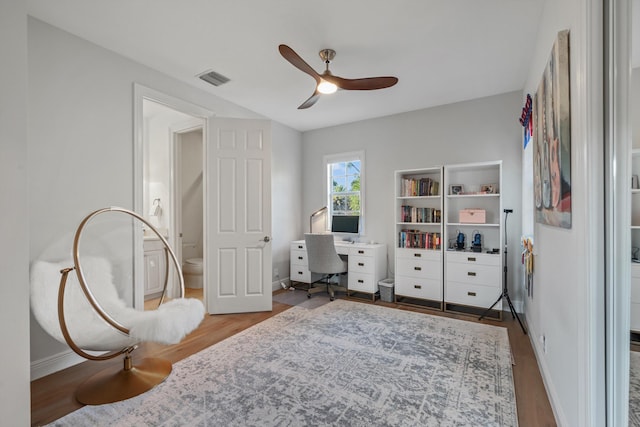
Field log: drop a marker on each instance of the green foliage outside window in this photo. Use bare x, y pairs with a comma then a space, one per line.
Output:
345, 191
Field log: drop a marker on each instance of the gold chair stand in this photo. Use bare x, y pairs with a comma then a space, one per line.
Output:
108, 386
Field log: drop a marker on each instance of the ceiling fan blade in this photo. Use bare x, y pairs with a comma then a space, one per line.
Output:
295, 60
368, 83
309, 102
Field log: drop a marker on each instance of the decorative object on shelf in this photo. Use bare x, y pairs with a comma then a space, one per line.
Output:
460, 240
456, 189
472, 216
505, 289
476, 245
488, 189
552, 141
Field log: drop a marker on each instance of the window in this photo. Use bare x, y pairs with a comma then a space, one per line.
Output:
345, 185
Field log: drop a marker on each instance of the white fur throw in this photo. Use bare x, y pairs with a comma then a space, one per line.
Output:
167, 325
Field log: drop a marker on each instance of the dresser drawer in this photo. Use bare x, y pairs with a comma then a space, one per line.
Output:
360, 251
299, 246
299, 258
417, 254
473, 258
361, 264
362, 282
430, 289
478, 274
419, 268
472, 295
298, 274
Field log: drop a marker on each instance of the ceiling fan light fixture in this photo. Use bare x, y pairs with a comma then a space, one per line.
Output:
326, 87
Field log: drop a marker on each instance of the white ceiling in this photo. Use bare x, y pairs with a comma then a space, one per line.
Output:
442, 51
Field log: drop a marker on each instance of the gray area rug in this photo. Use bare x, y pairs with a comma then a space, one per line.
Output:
343, 363
634, 389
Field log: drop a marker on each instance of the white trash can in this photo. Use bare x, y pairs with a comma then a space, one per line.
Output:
386, 290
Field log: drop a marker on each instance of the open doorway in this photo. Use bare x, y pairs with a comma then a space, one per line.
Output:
236, 179
188, 192
172, 144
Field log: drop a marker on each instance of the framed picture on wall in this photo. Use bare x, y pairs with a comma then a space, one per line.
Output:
455, 189
552, 139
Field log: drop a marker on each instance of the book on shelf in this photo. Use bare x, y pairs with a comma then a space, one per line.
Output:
413, 187
417, 214
419, 239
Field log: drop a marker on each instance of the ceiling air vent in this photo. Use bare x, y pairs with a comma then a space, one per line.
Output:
213, 78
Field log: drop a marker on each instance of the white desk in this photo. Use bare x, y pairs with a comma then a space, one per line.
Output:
367, 265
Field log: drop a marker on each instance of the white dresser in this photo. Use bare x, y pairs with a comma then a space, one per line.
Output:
419, 275
473, 279
367, 265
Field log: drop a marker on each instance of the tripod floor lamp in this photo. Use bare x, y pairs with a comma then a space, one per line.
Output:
505, 290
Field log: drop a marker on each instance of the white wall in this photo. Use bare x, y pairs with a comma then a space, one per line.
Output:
192, 207
14, 254
634, 108
287, 174
81, 139
479, 130
568, 298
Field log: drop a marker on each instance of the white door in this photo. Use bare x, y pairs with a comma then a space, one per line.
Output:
238, 216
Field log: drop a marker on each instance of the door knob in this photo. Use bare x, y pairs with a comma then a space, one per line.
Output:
266, 239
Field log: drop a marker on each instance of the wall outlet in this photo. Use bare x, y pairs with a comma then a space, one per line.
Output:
543, 341
276, 273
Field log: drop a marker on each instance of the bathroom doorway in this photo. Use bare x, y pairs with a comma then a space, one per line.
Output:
188, 190
172, 144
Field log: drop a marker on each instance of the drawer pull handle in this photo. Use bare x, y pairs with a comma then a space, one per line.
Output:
360, 251
417, 286
417, 268
300, 247
361, 264
471, 294
300, 273
471, 273
417, 255
471, 258
300, 257
360, 281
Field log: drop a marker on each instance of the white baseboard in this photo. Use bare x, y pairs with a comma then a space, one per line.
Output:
561, 419
57, 362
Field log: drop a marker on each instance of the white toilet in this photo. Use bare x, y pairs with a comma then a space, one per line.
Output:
192, 273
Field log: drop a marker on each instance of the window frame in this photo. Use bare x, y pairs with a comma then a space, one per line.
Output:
330, 159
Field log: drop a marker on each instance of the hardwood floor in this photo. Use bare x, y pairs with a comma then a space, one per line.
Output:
53, 396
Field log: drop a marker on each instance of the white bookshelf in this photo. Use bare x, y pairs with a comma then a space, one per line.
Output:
473, 279
418, 237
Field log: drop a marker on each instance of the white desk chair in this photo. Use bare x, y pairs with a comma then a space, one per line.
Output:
323, 259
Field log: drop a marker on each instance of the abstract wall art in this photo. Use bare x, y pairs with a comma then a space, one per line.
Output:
552, 139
